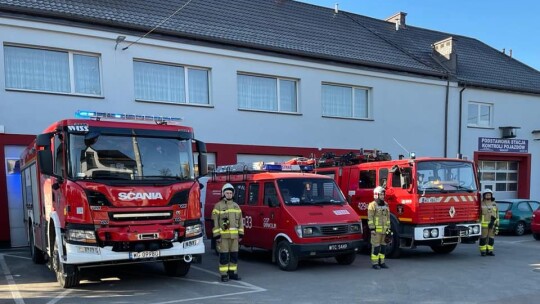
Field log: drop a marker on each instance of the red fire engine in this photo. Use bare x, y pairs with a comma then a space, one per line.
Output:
98, 191
295, 215
433, 201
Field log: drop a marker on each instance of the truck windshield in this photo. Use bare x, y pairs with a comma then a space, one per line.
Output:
310, 191
129, 158
445, 176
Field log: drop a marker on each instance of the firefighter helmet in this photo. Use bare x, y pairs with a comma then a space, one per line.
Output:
486, 192
378, 190
226, 187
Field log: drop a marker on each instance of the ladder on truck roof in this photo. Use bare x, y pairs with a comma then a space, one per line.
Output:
330, 159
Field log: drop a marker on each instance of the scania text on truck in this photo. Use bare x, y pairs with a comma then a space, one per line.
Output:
433, 201
294, 215
113, 189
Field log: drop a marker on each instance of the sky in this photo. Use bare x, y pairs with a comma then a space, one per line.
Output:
501, 24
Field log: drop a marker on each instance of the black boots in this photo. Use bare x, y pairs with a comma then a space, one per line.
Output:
383, 265
490, 253
224, 278
376, 266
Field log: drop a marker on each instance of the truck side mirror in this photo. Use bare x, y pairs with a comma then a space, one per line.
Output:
45, 162
202, 158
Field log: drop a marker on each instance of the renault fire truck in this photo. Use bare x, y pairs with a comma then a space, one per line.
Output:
111, 188
433, 201
291, 213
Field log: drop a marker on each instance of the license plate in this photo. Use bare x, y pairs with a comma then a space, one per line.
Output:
337, 246
144, 254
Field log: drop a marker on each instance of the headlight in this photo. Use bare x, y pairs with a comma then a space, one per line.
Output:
426, 233
83, 236
476, 229
354, 228
307, 231
434, 232
193, 230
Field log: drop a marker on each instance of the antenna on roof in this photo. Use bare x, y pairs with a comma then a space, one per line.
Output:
402, 147
159, 24
336, 8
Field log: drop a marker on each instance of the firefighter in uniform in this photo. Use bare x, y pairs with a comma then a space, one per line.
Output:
490, 223
228, 231
379, 225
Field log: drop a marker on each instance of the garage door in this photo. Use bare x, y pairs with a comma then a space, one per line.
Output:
501, 177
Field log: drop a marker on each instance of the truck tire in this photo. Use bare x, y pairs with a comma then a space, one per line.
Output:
536, 236
346, 259
35, 253
392, 249
66, 280
443, 249
177, 268
285, 257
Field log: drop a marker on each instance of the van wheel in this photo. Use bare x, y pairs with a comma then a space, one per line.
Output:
35, 253
177, 268
346, 259
66, 279
285, 257
443, 249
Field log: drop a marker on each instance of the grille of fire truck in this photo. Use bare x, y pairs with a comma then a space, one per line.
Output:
334, 230
134, 216
462, 212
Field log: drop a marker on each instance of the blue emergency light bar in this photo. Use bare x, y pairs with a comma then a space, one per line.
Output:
123, 116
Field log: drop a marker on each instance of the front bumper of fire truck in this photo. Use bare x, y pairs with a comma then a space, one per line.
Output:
80, 250
447, 234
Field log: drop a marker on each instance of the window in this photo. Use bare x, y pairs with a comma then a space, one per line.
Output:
270, 195
367, 179
170, 83
534, 205
253, 194
345, 101
524, 207
267, 93
240, 194
480, 114
383, 177
55, 71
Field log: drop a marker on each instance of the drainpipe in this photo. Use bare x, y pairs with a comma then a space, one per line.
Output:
446, 115
460, 118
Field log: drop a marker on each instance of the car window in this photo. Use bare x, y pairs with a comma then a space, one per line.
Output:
534, 205
503, 206
523, 206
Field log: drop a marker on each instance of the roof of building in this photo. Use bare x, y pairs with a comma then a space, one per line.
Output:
298, 29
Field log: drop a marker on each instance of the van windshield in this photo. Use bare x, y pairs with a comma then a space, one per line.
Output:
310, 191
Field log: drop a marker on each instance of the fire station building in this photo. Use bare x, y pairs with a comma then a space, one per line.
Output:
266, 80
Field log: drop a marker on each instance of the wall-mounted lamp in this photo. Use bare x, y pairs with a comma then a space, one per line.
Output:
536, 134
118, 40
509, 131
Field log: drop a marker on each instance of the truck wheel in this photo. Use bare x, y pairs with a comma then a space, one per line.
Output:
536, 236
64, 279
177, 268
285, 257
392, 248
520, 228
35, 253
443, 249
346, 259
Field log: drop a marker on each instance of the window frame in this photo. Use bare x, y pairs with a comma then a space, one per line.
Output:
278, 93
353, 88
71, 66
186, 68
479, 106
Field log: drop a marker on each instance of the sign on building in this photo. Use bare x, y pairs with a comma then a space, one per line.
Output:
486, 144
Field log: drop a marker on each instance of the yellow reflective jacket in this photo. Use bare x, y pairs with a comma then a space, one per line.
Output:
378, 217
227, 217
489, 209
